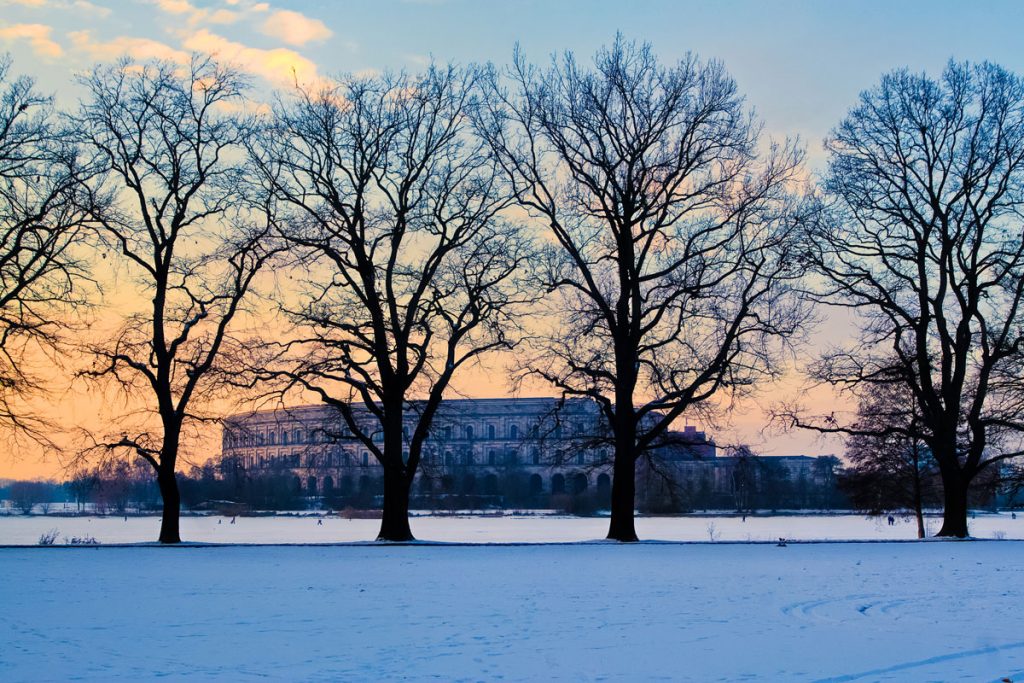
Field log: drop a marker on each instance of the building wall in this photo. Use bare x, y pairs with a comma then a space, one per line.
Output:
527, 449
481, 438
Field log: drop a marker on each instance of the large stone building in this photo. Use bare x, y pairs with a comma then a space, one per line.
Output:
513, 451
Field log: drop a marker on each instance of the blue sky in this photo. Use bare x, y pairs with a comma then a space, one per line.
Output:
800, 63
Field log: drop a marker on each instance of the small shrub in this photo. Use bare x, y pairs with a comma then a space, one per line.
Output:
81, 540
48, 537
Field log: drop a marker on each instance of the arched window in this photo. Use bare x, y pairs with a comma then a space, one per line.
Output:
284, 437
536, 455
491, 432
297, 436
513, 432
492, 457
580, 458
366, 458
536, 484
273, 438
469, 431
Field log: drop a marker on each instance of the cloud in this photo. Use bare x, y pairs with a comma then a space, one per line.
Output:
137, 48
280, 66
37, 35
196, 15
91, 7
84, 5
294, 28
175, 6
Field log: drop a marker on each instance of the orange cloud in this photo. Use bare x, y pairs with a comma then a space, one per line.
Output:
280, 66
38, 36
196, 15
137, 48
83, 5
294, 28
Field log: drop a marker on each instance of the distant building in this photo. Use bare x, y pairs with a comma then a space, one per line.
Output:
523, 452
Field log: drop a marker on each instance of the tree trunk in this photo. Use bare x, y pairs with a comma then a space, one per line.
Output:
621, 526
954, 513
394, 524
170, 523
918, 504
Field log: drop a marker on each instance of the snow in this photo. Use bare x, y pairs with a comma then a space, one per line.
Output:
20, 530
701, 612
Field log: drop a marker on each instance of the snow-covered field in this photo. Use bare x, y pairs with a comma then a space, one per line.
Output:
19, 530
946, 611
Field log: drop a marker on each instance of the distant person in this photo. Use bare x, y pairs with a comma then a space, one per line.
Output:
232, 520
319, 522
1013, 515
220, 521
892, 521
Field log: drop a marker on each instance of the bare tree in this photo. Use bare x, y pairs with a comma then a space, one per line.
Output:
408, 270
891, 466
669, 265
170, 148
922, 237
27, 495
41, 266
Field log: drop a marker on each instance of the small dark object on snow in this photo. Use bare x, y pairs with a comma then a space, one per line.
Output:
232, 520
319, 522
1013, 515
892, 520
781, 543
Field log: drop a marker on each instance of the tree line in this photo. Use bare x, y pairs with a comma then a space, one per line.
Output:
619, 226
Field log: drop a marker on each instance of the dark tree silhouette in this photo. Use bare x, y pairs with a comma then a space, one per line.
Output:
669, 263
408, 271
891, 466
922, 238
184, 234
42, 210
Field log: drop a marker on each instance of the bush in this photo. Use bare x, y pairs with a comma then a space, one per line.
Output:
49, 537
81, 540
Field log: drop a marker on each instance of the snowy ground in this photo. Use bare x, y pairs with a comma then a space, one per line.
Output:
20, 530
841, 612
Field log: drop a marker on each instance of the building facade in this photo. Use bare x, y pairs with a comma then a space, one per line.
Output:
520, 452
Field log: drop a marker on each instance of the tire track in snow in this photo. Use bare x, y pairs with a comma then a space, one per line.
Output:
939, 659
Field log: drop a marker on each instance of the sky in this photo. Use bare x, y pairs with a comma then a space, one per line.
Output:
801, 64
